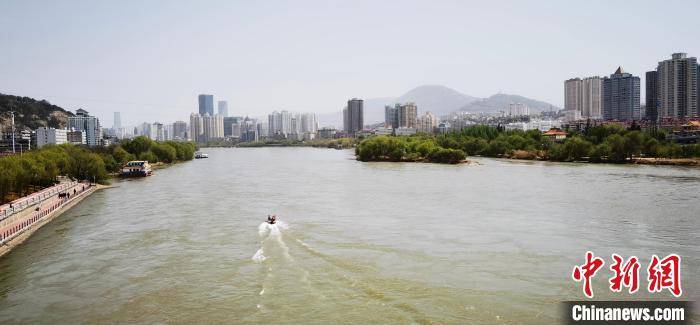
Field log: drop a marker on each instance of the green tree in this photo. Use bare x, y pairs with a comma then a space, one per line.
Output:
633, 143
447, 156
618, 152
599, 153
148, 156
138, 145
164, 152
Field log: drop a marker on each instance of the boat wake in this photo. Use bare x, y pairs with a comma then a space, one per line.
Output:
271, 234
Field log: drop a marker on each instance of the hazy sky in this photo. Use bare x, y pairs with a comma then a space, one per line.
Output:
150, 59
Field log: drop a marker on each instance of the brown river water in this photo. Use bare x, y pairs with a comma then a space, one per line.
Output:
487, 243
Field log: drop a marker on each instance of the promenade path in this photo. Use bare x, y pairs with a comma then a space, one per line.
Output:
18, 205
37, 207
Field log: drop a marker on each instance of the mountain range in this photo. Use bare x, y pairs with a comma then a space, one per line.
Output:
439, 100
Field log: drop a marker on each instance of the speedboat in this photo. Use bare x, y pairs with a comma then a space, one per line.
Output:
200, 155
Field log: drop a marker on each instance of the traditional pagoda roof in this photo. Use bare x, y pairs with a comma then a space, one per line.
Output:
555, 132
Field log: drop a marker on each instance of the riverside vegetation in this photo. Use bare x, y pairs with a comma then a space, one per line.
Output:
607, 143
36, 169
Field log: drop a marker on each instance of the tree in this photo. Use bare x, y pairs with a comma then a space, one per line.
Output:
121, 155
599, 153
618, 152
633, 143
651, 147
138, 145
148, 156
164, 152
575, 148
447, 156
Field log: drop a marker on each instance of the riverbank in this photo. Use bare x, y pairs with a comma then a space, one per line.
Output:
667, 161
601, 144
18, 227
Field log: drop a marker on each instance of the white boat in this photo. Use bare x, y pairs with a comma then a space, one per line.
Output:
136, 168
200, 155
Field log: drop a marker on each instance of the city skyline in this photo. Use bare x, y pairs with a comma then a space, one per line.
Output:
261, 76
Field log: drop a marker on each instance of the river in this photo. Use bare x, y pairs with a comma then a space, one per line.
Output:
490, 242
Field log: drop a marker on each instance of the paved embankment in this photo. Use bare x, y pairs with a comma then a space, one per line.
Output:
32, 212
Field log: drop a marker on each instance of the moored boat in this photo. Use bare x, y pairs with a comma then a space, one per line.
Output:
200, 155
136, 168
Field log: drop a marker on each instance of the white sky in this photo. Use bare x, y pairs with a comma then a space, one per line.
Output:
150, 59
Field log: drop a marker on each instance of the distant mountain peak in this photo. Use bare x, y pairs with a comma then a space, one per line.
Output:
439, 100
500, 102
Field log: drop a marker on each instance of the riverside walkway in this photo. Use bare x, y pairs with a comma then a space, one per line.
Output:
37, 208
16, 206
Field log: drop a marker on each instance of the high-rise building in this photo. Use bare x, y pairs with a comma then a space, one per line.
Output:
236, 128
353, 116
427, 123
143, 129
117, 130
585, 96
179, 131
518, 109
279, 124
261, 130
621, 98
274, 123
309, 124
651, 112
408, 113
228, 125
46, 135
196, 128
677, 87
592, 97
295, 126
249, 130
158, 132
82, 121
76, 137
572, 94
223, 108
206, 105
117, 121
213, 127
286, 122
391, 116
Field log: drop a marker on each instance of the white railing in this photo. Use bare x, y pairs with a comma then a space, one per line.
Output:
7, 233
34, 198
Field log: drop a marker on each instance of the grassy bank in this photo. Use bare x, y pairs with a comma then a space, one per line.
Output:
37, 169
607, 143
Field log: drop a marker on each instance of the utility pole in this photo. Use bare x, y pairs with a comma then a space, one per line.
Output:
13, 131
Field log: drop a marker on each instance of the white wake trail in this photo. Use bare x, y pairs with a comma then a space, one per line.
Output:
272, 232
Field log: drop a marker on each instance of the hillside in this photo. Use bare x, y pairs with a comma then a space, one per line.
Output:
437, 99
500, 102
31, 113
